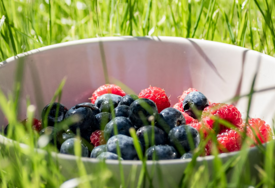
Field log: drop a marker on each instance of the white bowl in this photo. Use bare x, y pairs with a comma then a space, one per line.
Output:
220, 71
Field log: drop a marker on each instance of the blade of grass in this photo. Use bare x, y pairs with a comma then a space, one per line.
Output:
198, 19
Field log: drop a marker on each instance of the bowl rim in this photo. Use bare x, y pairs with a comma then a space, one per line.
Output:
7, 141
120, 39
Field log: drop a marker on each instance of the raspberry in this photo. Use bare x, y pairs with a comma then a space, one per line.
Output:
185, 93
157, 95
178, 106
229, 141
107, 88
201, 128
223, 111
188, 119
36, 125
97, 138
262, 130
205, 129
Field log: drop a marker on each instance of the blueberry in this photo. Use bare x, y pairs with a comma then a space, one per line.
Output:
178, 137
98, 150
47, 130
93, 107
6, 130
128, 99
103, 118
60, 136
160, 138
194, 103
67, 135
172, 117
161, 152
55, 136
68, 148
122, 110
106, 106
53, 113
187, 156
108, 97
140, 112
123, 125
109, 155
87, 122
126, 146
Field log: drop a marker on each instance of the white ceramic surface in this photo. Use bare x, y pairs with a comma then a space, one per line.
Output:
220, 71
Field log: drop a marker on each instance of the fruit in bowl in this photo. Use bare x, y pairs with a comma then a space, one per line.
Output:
163, 132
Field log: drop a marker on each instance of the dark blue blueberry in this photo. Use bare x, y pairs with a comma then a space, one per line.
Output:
187, 156
123, 125
161, 123
108, 97
106, 106
60, 136
68, 147
172, 117
142, 112
122, 110
47, 130
178, 137
103, 118
56, 138
67, 135
98, 150
87, 122
53, 113
160, 138
128, 99
161, 152
109, 155
126, 146
194, 103
93, 107
7, 128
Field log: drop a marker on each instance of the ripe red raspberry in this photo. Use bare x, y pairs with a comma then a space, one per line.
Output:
223, 111
201, 128
188, 119
261, 128
107, 88
205, 129
185, 93
229, 141
157, 95
36, 124
178, 106
97, 138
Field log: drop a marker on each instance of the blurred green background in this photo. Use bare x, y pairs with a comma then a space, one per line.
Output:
30, 24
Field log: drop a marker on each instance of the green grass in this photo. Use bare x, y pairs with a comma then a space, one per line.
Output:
27, 25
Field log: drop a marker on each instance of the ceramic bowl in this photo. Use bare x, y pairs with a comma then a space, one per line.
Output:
218, 70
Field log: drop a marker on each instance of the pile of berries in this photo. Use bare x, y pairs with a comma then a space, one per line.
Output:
163, 132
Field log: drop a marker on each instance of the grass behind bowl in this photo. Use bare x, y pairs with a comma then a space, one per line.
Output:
27, 25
